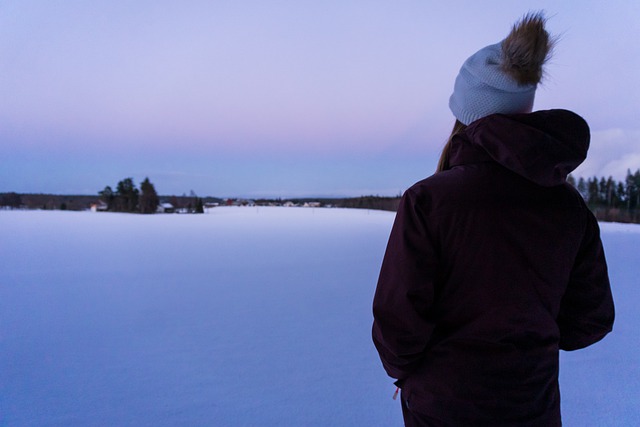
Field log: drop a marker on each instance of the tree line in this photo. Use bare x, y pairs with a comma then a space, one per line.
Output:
128, 198
611, 200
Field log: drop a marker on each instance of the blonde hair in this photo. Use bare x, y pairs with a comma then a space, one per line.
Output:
443, 163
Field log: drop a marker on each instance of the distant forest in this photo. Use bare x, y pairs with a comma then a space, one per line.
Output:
610, 200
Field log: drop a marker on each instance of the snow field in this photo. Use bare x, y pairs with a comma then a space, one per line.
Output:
239, 317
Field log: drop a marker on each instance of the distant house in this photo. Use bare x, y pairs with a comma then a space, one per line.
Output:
288, 204
210, 205
99, 206
312, 204
240, 202
165, 207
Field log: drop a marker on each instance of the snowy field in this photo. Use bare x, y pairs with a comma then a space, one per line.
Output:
239, 317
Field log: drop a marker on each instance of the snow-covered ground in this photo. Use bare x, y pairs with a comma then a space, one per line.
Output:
240, 317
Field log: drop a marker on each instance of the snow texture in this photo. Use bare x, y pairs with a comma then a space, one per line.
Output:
239, 317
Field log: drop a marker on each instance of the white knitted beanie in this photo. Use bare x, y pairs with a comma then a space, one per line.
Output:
503, 77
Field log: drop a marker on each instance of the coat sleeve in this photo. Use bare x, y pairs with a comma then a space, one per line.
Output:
586, 311
405, 292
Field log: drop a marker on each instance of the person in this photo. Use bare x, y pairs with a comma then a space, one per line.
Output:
494, 263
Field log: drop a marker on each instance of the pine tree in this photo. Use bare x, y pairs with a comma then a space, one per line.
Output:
126, 196
622, 194
148, 201
583, 188
602, 192
610, 192
592, 191
199, 205
632, 191
107, 196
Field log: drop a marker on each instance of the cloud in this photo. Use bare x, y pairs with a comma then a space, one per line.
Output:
612, 153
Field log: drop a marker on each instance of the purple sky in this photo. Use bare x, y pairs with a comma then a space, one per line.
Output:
281, 98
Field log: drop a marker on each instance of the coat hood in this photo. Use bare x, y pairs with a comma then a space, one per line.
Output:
543, 147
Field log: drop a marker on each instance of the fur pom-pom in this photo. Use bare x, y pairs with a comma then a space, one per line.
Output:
526, 49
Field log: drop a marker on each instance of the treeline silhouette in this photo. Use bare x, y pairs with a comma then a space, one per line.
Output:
611, 200
127, 197
363, 202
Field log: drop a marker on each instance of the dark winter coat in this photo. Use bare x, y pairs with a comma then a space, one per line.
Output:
493, 266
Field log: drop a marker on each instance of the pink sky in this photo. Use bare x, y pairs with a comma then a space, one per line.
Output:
90, 89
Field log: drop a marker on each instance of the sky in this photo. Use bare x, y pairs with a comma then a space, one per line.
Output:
249, 98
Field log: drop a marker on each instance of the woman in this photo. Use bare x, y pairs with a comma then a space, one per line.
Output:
494, 263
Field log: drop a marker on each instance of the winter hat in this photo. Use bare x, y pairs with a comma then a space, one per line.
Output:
503, 77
